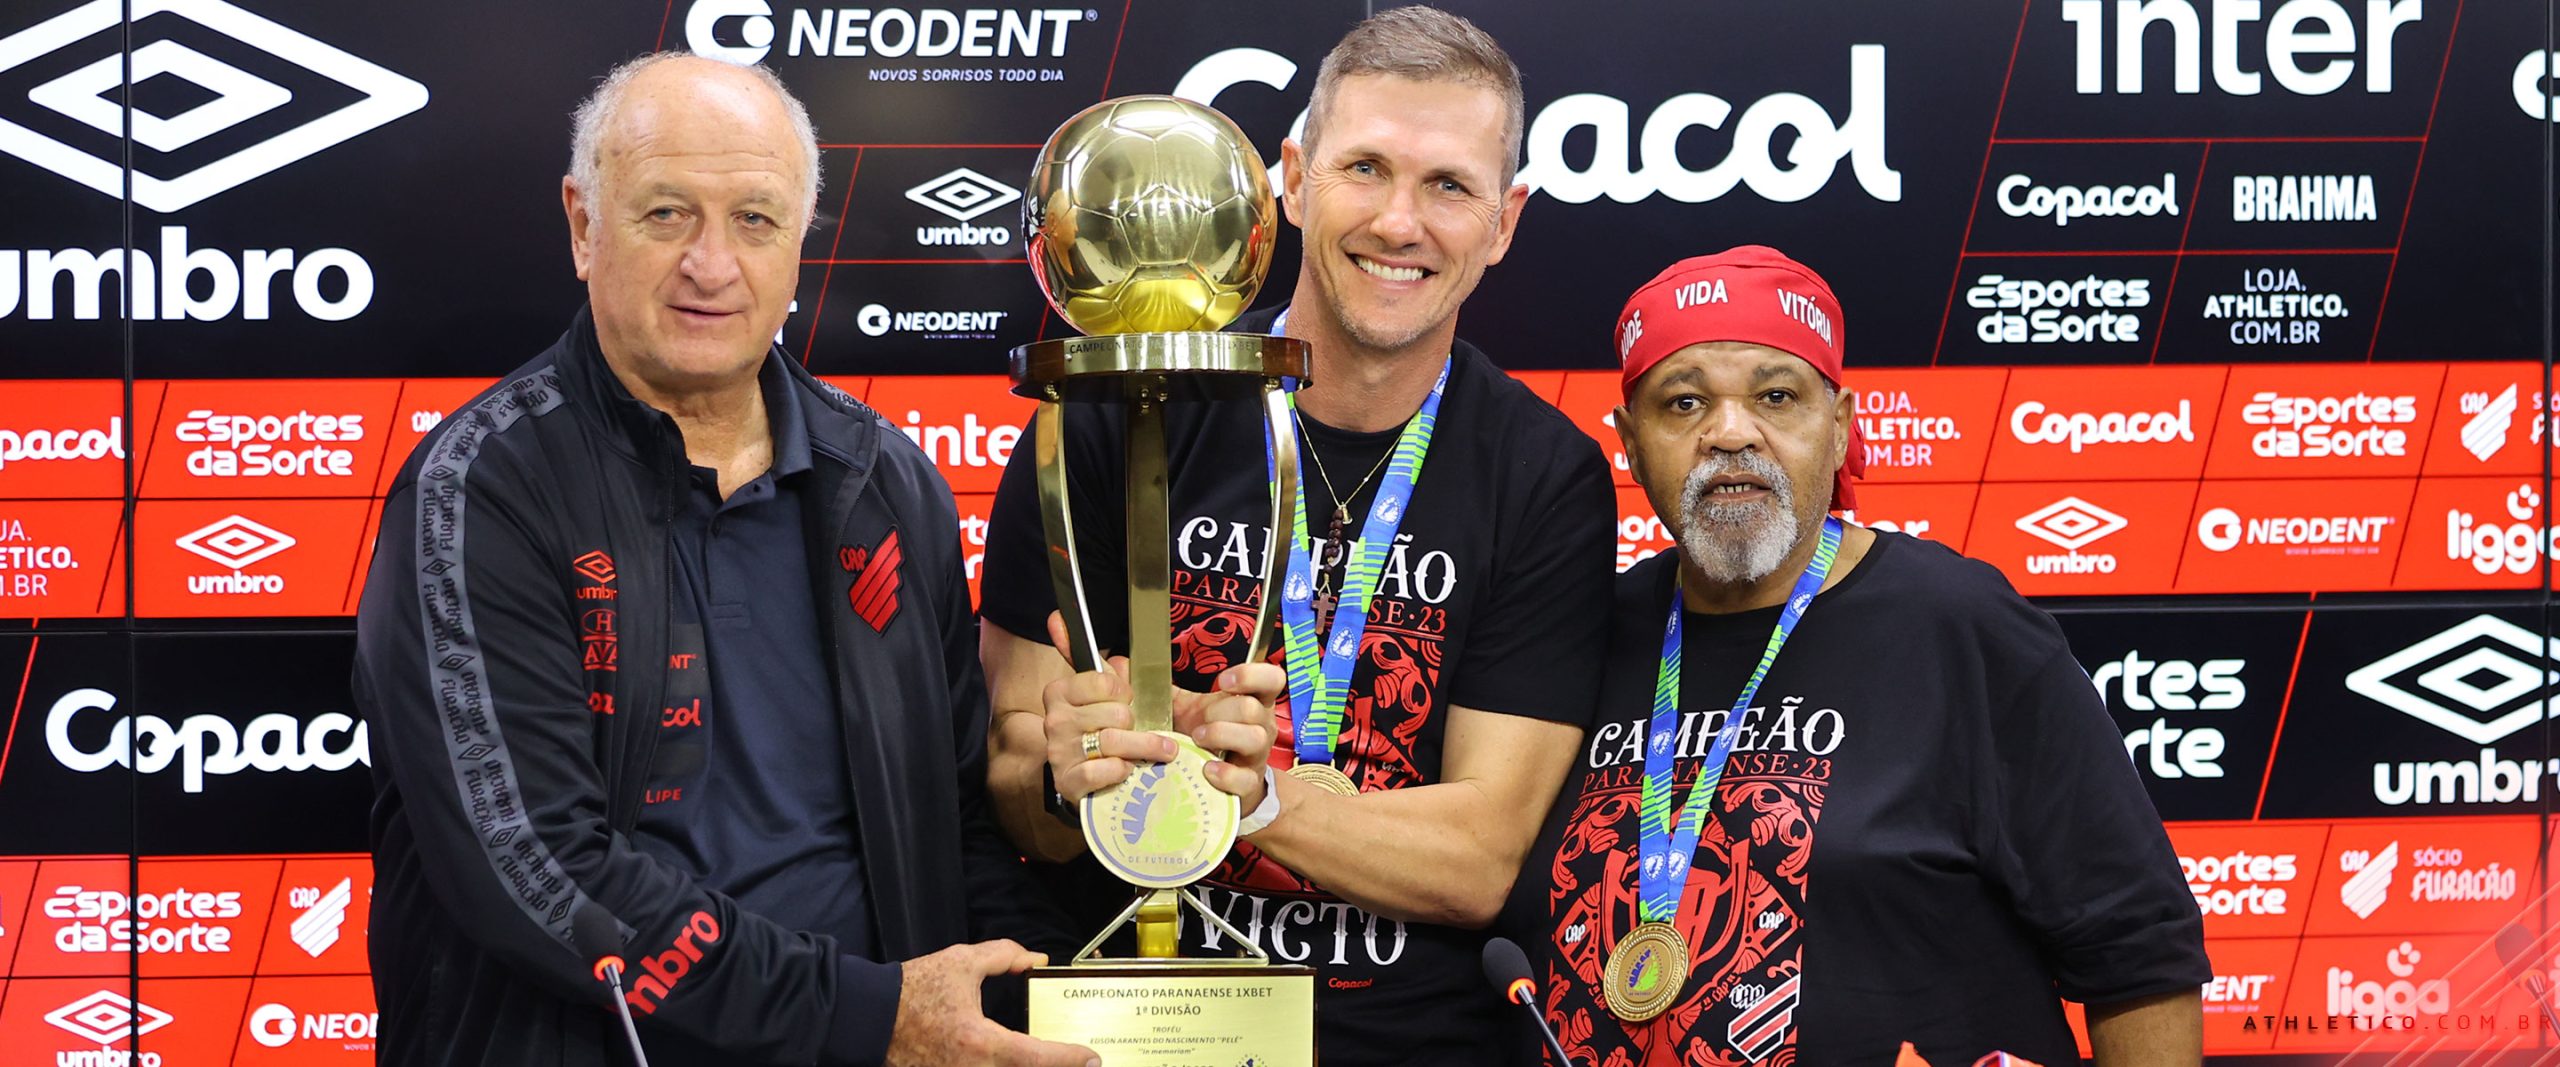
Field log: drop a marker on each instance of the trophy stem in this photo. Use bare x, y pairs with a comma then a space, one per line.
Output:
1150, 561
1057, 523
1284, 496
1160, 925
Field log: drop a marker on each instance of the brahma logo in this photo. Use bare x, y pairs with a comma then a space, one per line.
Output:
237, 543
659, 974
106, 1017
203, 744
1814, 143
2071, 524
87, 95
962, 195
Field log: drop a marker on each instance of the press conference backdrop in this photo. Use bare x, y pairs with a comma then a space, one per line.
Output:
2224, 324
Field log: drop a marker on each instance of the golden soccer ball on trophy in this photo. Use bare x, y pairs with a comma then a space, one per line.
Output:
1149, 214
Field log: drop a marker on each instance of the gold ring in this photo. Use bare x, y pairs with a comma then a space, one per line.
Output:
1093, 745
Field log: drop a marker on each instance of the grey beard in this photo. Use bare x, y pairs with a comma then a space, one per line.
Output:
1735, 544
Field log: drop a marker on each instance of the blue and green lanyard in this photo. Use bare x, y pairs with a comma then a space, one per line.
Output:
1320, 675
1667, 851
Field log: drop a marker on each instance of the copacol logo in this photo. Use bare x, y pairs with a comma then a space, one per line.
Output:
1814, 143
2483, 680
247, 130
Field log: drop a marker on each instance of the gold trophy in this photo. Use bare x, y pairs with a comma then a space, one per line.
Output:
1150, 224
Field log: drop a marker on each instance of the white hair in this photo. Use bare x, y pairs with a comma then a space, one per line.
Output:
600, 108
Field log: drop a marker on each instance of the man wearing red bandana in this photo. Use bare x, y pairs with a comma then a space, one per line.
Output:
1845, 789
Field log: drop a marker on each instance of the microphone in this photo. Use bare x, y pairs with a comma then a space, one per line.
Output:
1508, 969
599, 934
2516, 943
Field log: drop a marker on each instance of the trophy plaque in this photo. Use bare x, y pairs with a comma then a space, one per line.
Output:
1150, 223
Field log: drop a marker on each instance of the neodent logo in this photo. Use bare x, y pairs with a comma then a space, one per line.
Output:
204, 744
886, 32
1815, 143
273, 1025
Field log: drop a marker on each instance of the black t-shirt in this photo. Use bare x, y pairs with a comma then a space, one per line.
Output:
1494, 597
1936, 832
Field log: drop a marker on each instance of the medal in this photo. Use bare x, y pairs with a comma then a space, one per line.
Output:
1164, 826
1324, 776
1639, 983
1646, 972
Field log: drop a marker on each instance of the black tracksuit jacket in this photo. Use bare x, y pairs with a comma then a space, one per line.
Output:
511, 660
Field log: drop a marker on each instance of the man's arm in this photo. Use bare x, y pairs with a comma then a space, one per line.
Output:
1018, 744
1444, 853
2163, 1030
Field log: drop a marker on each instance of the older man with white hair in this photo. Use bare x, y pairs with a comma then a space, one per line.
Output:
667, 655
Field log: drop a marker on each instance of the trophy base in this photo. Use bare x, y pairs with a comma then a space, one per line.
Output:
1180, 1013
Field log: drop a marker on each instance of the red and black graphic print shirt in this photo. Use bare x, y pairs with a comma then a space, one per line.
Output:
1927, 831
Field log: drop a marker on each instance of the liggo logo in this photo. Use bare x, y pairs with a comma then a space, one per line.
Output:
245, 282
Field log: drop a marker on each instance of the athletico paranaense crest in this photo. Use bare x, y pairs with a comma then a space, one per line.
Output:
874, 595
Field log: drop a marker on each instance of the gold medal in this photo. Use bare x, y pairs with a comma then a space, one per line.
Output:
1325, 776
1646, 972
1164, 826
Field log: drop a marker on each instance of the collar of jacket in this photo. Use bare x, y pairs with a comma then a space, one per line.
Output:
841, 428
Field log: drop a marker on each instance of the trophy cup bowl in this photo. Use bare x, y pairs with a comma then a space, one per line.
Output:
1150, 224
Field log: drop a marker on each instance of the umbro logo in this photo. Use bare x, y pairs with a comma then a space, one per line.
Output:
964, 194
88, 95
2481, 679
236, 542
2071, 523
